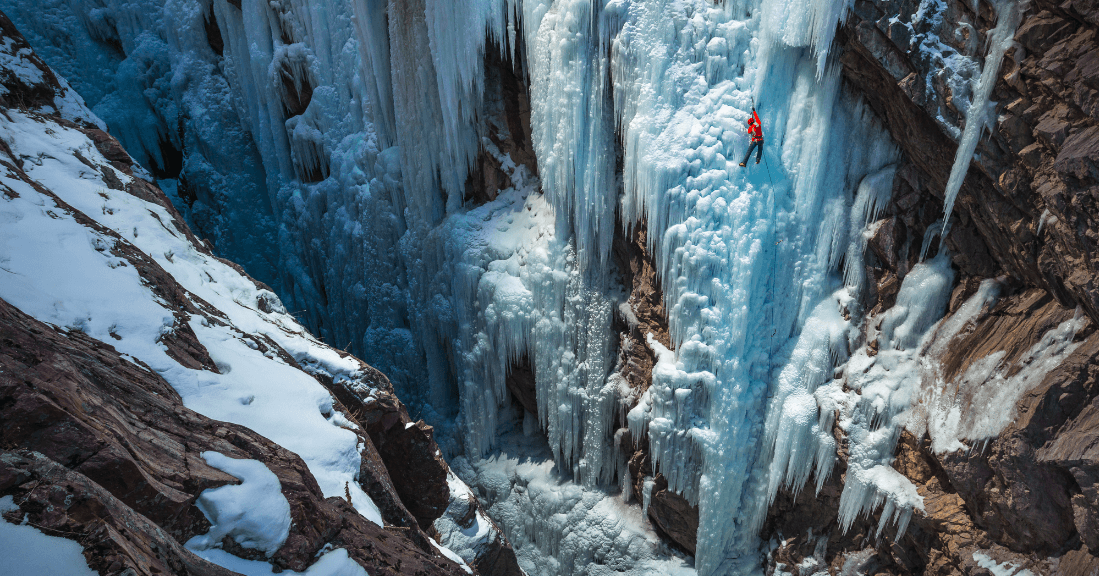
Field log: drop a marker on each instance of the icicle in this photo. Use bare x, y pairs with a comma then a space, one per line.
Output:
573, 125
646, 494
937, 228
1000, 39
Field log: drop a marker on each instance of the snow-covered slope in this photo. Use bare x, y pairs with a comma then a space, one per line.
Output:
469, 291
441, 185
89, 246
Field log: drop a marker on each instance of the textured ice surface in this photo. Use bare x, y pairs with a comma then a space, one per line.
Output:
557, 525
355, 194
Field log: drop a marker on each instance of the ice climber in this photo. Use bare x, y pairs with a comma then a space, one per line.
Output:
755, 130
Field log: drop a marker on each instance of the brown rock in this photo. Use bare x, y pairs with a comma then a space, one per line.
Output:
115, 538
1041, 31
506, 116
1077, 563
1052, 129
646, 303
368, 401
495, 557
884, 242
1079, 157
1013, 326
1075, 448
416, 469
123, 429
673, 515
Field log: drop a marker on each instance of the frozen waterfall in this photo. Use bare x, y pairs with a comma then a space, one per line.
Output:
328, 144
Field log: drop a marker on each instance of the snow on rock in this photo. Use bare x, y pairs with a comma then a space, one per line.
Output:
999, 569
71, 278
33, 84
995, 381
333, 563
345, 133
117, 425
27, 551
253, 513
87, 245
467, 530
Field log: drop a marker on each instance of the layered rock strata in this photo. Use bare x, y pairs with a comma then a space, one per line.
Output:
1023, 499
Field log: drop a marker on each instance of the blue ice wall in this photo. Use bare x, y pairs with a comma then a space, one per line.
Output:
329, 142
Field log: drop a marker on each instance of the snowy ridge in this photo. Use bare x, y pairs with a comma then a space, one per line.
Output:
350, 128
246, 397
81, 246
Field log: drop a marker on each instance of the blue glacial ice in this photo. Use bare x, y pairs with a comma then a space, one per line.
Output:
325, 146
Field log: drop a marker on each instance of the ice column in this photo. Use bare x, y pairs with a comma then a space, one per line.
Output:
744, 254
1009, 14
572, 120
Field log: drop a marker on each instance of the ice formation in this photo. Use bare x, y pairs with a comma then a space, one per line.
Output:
1001, 38
558, 525
60, 265
994, 382
325, 146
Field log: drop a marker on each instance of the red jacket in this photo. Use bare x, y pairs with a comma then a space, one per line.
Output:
754, 128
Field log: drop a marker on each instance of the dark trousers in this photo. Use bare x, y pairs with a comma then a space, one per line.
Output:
758, 147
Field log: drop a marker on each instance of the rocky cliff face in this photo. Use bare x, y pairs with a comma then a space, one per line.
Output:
97, 442
671, 514
103, 452
1025, 498
1022, 498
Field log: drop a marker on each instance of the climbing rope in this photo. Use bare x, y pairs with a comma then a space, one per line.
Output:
774, 264
774, 227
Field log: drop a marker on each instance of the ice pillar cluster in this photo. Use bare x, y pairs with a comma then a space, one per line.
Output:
326, 145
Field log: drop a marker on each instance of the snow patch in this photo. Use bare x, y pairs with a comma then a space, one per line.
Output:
27, 551
334, 563
253, 513
998, 569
